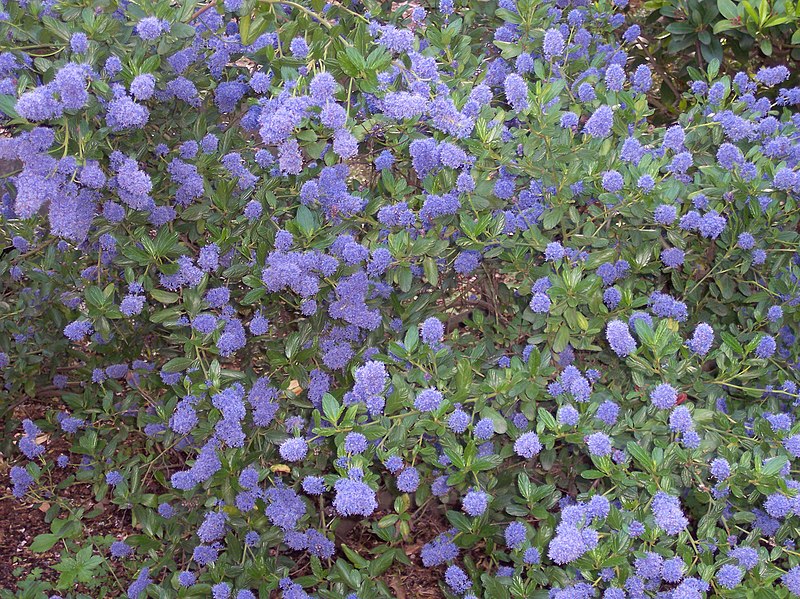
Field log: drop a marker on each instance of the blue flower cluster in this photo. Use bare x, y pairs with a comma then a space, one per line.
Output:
311, 267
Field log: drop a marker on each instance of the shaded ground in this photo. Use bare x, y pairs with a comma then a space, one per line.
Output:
414, 581
22, 521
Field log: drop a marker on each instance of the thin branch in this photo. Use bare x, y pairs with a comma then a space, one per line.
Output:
200, 11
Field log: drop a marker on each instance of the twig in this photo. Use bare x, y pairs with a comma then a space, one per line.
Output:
664, 75
200, 11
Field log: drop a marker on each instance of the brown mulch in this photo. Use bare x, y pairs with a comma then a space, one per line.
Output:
22, 521
414, 581
19, 524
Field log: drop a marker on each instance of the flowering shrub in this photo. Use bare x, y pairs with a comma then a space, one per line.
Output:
288, 267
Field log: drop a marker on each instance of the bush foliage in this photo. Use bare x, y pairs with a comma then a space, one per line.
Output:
281, 267
678, 36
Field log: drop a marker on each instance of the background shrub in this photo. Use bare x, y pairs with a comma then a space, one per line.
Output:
279, 271
678, 36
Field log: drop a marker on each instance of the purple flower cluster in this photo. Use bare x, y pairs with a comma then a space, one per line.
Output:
213, 202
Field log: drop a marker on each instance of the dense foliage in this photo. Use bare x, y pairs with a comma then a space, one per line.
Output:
680, 35
280, 267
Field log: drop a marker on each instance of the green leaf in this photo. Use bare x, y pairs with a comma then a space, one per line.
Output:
464, 375
680, 27
380, 564
547, 419
165, 297
95, 297
405, 278
562, 339
459, 520
182, 30
498, 421
388, 520
331, 408
8, 106
731, 342
44, 542
493, 587
728, 9
640, 456
719, 27
525, 486
178, 364
507, 15
358, 561
773, 466
431, 271
750, 11
305, 221
165, 315
713, 68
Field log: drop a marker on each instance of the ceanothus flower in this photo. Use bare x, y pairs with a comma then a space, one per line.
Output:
516, 90
673, 257
457, 579
458, 421
569, 120
611, 297
120, 550
484, 429
770, 76
354, 497
140, 584
432, 330
599, 124
475, 502
408, 480
607, 412
355, 443
151, 28
440, 550
620, 338
540, 303
665, 214
554, 252
553, 43
613, 181
747, 557
791, 580
720, 469
615, 77
568, 415
766, 347
515, 535
294, 449
668, 514
599, 444
528, 445
774, 313
298, 47
702, 339
314, 485
428, 400
664, 396
729, 576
